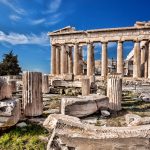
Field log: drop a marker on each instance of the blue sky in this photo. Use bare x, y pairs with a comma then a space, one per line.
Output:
24, 25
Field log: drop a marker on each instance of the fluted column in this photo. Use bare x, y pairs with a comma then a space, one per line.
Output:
57, 60
120, 58
90, 60
142, 61
137, 60
114, 92
76, 59
66, 59
80, 61
146, 61
149, 60
70, 61
53, 59
104, 60
63, 60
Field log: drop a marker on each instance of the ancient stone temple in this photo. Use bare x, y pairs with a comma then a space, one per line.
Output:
67, 45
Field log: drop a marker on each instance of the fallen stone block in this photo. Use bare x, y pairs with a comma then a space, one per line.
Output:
84, 105
69, 132
10, 112
135, 120
62, 83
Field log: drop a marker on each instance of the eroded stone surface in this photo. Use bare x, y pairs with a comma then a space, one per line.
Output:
5, 90
135, 120
72, 133
10, 112
84, 105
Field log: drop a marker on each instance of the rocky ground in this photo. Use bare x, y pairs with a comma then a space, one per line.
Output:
34, 136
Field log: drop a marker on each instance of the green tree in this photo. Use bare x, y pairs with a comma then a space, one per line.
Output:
10, 65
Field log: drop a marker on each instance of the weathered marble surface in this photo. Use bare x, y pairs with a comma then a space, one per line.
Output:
10, 112
101, 35
84, 105
135, 120
60, 83
72, 133
5, 90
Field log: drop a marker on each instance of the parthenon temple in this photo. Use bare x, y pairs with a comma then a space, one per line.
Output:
67, 46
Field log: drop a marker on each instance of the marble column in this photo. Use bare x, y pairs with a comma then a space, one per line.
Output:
90, 60
80, 61
146, 61
120, 58
114, 92
70, 61
53, 59
149, 60
76, 59
67, 59
137, 60
63, 60
57, 60
104, 60
142, 61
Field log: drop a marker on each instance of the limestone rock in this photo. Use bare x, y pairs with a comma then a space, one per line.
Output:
21, 124
45, 84
83, 105
13, 86
131, 119
56, 90
70, 132
62, 83
135, 120
105, 113
90, 120
5, 90
10, 112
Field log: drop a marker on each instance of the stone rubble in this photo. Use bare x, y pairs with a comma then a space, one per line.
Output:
68, 129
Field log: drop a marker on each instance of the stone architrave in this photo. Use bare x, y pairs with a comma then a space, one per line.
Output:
114, 92
32, 94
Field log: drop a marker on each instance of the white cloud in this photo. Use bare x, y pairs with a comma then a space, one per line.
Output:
9, 3
16, 38
14, 17
54, 6
54, 19
38, 21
